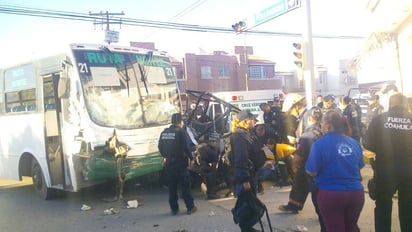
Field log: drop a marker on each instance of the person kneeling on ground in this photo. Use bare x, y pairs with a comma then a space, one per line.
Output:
208, 161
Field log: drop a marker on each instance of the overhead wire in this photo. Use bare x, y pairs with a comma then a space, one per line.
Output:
189, 9
184, 12
15, 10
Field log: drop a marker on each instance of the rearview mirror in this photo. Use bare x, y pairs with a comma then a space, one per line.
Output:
63, 88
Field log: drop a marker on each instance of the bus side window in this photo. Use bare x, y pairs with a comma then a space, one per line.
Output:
18, 109
50, 106
31, 107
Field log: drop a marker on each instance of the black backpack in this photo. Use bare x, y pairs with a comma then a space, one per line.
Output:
249, 210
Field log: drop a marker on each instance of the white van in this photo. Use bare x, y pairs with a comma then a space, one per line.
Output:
250, 99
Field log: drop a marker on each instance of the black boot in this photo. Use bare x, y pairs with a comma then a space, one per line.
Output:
249, 229
260, 188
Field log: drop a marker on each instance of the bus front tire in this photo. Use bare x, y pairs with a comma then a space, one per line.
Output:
39, 182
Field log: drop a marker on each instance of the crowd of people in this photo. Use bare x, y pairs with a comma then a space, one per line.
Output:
317, 150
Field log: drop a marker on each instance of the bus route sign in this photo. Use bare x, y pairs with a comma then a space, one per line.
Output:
111, 36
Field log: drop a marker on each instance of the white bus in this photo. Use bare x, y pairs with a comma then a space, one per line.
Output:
58, 113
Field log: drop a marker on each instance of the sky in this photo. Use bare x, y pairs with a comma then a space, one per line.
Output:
26, 37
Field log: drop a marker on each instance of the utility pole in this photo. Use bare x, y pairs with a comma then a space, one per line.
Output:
239, 28
309, 73
246, 62
110, 36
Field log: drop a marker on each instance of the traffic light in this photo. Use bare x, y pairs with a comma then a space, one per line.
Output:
240, 26
298, 54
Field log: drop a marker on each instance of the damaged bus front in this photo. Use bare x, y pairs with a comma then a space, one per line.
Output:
98, 112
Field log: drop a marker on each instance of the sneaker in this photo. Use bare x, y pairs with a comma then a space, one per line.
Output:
288, 208
260, 188
174, 212
192, 210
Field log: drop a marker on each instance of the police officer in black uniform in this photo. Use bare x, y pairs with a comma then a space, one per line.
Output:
351, 116
273, 121
389, 136
173, 145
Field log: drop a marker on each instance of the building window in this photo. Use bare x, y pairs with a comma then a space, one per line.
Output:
223, 72
206, 72
257, 72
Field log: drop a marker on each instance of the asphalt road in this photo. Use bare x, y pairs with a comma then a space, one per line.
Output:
22, 210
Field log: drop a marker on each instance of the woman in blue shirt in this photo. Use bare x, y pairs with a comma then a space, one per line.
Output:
335, 161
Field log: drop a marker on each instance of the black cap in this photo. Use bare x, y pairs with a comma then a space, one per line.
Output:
176, 118
347, 99
244, 114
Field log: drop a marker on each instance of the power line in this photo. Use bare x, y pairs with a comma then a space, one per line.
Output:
184, 12
189, 9
7, 9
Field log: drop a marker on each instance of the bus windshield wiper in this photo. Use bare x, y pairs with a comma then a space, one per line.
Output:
143, 77
127, 79
144, 72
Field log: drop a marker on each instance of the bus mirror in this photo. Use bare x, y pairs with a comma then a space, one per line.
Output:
63, 88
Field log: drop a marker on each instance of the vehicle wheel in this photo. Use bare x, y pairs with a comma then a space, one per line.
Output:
39, 182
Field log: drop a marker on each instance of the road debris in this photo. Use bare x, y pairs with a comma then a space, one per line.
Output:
110, 211
181, 230
132, 204
85, 207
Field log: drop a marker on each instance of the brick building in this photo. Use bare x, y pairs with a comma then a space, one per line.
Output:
221, 71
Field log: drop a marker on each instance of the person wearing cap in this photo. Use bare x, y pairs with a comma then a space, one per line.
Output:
277, 103
243, 152
173, 146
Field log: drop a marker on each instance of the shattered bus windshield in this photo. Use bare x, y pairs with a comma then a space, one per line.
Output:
127, 90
